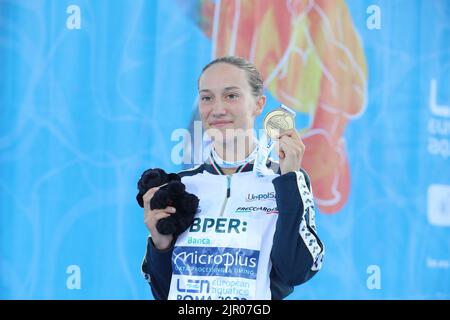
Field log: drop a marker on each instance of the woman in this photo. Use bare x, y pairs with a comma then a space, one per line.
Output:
254, 236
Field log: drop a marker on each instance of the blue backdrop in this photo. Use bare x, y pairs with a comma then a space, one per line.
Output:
91, 92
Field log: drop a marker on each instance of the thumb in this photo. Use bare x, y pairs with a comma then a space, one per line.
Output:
280, 150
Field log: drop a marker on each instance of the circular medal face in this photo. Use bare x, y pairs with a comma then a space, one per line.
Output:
278, 121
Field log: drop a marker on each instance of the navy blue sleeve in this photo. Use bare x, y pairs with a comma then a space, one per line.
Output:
297, 252
157, 269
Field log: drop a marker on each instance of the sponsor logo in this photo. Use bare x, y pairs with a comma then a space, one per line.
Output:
220, 287
193, 286
192, 297
218, 225
260, 196
266, 210
222, 262
199, 241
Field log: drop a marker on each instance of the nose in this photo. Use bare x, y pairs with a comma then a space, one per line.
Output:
219, 110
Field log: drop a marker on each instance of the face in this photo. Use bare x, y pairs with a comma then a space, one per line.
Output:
226, 101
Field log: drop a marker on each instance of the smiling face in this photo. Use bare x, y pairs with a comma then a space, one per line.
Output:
226, 102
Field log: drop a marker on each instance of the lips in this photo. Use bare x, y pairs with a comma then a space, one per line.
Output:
219, 124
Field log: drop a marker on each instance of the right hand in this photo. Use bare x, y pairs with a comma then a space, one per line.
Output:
151, 218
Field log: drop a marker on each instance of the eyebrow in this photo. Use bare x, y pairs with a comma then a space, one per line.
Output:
226, 89
231, 88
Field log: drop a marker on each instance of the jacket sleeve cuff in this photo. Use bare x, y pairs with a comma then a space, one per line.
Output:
287, 194
155, 259
151, 246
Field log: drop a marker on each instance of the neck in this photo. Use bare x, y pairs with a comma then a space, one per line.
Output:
228, 171
235, 151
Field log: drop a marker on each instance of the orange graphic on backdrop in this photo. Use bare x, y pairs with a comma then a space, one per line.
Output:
312, 60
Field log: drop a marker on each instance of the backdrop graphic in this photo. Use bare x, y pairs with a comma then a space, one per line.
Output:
92, 91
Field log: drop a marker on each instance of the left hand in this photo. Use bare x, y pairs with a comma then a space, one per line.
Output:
291, 150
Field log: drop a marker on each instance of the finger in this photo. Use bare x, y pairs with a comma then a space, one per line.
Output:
161, 215
168, 210
287, 132
281, 147
292, 136
291, 147
298, 142
290, 133
150, 192
148, 196
287, 144
146, 205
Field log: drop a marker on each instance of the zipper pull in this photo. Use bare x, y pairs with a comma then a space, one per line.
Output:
228, 186
224, 204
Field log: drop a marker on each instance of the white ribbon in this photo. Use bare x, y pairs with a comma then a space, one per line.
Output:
265, 147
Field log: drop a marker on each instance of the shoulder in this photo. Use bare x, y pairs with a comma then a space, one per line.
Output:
192, 171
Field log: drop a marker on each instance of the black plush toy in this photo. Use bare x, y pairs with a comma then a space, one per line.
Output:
172, 193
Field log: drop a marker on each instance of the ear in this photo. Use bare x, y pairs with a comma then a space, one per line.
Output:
260, 103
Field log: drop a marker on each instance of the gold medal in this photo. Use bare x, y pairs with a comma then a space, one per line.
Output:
278, 121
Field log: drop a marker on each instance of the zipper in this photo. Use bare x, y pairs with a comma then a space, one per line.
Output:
227, 195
